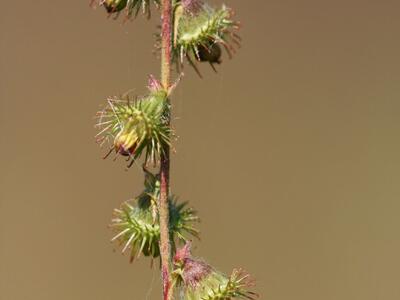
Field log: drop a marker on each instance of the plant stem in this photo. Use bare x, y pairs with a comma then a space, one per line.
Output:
165, 247
166, 43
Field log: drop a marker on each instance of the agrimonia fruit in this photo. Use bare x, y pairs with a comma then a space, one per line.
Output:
200, 32
200, 281
136, 126
136, 222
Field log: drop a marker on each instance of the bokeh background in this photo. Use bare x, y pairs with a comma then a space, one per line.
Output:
290, 153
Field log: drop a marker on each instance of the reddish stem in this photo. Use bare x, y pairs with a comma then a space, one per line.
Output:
166, 43
165, 247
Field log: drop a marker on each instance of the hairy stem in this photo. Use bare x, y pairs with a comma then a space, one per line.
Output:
166, 43
165, 247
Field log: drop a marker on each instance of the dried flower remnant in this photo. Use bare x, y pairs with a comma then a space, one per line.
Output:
154, 85
192, 6
191, 271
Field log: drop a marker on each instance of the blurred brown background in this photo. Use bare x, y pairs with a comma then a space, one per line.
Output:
290, 153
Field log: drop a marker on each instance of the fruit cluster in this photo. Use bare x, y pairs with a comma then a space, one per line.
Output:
139, 127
